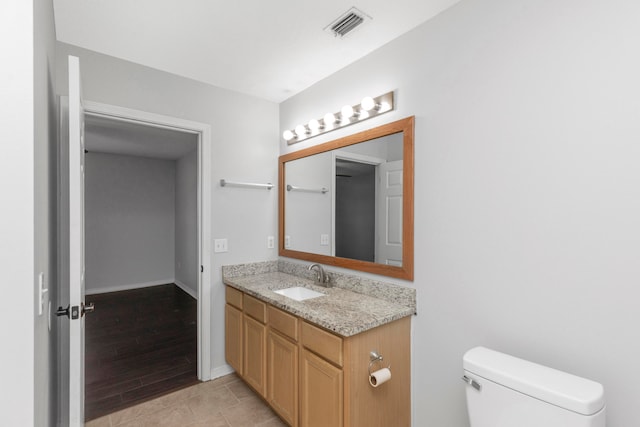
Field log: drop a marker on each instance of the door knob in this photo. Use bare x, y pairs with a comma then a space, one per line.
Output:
89, 308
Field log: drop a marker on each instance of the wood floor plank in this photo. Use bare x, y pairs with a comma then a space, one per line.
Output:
140, 344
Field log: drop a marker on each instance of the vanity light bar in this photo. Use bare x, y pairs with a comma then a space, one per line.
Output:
349, 114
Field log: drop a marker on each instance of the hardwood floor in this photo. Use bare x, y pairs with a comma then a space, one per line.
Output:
139, 344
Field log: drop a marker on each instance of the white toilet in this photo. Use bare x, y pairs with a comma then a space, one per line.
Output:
504, 391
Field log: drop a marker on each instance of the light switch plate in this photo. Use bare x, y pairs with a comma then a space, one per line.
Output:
324, 240
287, 241
271, 242
220, 245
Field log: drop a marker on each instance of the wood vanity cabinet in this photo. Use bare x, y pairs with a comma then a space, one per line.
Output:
254, 332
233, 329
321, 392
314, 378
282, 364
334, 377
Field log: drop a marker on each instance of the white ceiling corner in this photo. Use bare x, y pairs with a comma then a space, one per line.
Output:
268, 49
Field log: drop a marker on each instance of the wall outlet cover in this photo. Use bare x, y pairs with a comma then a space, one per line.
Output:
220, 245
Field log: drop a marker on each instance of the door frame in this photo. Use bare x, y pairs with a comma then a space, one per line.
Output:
203, 132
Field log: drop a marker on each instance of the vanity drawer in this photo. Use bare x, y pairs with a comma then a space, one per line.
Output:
255, 308
322, 342
283, 322
233, 297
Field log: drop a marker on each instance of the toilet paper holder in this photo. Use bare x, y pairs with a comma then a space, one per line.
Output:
375, 357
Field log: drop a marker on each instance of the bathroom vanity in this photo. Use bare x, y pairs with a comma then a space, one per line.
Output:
310, 360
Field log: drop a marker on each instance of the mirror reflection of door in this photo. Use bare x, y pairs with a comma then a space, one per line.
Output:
389, 214
368, 210
355, 210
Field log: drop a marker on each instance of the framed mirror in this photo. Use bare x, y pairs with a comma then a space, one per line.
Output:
349, 202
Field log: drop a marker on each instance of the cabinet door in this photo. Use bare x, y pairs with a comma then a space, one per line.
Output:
255, 355
282, 371
321, 392
233, 337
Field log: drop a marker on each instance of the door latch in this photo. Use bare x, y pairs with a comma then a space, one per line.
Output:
75, 312
71, 312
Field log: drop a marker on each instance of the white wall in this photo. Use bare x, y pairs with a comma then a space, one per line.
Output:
46, 214
244, 131
527, 178
308, 214
46, 203
17, 320
129, 221
27, 226
186, 222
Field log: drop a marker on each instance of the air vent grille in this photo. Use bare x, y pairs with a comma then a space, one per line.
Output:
346, 23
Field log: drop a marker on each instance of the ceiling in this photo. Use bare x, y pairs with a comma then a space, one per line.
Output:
271, 49
108, 135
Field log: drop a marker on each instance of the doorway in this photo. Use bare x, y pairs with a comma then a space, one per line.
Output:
355, 208
185, 286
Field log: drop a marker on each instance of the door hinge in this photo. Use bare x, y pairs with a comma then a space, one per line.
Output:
202, 269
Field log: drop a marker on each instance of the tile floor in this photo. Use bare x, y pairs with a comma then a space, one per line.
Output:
223, 402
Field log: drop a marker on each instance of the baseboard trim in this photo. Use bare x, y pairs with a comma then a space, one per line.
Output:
187, 289
117, 288
221, 371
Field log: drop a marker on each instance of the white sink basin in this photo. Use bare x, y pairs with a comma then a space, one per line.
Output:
299, 293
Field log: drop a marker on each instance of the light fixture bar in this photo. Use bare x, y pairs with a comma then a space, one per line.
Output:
348, 115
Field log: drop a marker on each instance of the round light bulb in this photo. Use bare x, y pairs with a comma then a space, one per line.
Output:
329, 119
367, 103
301, 131
287, 135
314, 124
346, 112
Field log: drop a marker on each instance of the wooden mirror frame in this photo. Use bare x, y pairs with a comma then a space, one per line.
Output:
406, 270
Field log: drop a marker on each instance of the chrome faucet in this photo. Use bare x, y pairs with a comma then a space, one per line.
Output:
322, 278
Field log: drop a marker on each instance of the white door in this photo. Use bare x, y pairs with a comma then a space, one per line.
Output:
76, 246
389, 214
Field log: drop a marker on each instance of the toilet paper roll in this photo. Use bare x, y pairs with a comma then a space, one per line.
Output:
380, 376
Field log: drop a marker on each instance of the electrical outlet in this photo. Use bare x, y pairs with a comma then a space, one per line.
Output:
271, 242
324, 240
287, 241
220, 245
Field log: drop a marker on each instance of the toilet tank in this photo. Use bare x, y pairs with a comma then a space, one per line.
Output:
504, 391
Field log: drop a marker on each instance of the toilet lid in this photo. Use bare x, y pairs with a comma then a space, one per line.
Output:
550, 385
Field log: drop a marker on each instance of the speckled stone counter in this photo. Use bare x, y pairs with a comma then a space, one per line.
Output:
340, 310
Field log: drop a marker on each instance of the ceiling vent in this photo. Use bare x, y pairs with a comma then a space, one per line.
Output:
347, 22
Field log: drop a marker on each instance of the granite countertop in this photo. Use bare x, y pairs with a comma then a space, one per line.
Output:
344, 312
